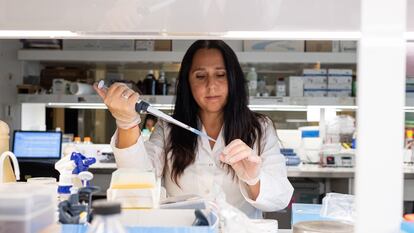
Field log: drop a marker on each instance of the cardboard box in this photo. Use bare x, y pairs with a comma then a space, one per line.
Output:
163, 45
294, 86
315, 79
340, 72
339, 93
144, 45
332, 86
314, 93
332, 80
348, 46
117, 45
314, 72
274, 45
317, 85
318, 46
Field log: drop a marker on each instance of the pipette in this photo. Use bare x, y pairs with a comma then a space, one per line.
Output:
144, 106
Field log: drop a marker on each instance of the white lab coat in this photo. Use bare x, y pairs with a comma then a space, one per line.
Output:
198, 178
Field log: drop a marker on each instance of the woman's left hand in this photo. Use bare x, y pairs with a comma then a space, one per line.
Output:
245, 162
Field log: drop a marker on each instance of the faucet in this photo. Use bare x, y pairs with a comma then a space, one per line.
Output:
15, 165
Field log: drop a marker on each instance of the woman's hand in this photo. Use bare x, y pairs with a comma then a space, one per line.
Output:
121, 100
243, 160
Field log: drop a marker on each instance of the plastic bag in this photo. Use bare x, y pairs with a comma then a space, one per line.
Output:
338, 206
231, 218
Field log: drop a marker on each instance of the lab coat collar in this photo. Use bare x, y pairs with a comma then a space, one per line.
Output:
218, 146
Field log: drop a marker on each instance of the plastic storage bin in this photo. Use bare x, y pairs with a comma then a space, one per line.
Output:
25, 208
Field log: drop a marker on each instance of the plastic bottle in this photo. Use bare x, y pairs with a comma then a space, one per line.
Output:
252, 81
77, 140
106, 218
172, 86
87, 140
150, 83
261, 87
162, 85
280, 87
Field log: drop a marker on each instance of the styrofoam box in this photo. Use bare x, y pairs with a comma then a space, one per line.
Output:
339, 93
295, 86
341, 86
274, 45
183, 45
25, 207
339, 79
315, 79
347, 72
314, 93
313, 72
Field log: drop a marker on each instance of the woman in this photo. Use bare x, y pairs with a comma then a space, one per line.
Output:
211, 96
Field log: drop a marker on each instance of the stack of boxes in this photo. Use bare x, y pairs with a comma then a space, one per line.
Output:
321, 83
315, 83
339, 82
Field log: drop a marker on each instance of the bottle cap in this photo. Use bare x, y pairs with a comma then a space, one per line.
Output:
87, 139
77, 139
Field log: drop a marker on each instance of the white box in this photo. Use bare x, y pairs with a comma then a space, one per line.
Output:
183, 45
117, 45
332, 80
294, 86
339, 93
317, 85
341, 86
80, 44
274, 45
315, 79
314, 72
339, 72
348, 46
314, 93
144, 45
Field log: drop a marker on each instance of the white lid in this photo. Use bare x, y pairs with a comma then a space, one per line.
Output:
252, 69
4, 128
150, 71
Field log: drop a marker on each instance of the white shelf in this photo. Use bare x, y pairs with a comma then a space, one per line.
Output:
149, 56
167, 102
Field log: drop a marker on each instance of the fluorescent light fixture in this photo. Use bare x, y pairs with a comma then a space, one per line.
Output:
294, 35
292, 108
77, 105
29, 34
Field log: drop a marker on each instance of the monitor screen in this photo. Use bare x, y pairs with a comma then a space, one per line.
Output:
37, 144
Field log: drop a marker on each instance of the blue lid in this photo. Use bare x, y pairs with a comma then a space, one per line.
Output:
286, 150
310, 133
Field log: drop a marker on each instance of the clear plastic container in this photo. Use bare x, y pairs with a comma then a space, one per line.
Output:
30, 208
106, 218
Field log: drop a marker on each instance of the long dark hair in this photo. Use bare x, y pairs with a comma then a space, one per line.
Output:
239, 121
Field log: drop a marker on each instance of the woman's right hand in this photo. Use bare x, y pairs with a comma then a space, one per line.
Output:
121, 100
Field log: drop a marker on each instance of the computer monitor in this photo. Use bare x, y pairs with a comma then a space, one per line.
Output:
33, 145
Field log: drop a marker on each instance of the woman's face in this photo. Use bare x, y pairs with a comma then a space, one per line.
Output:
208, 80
